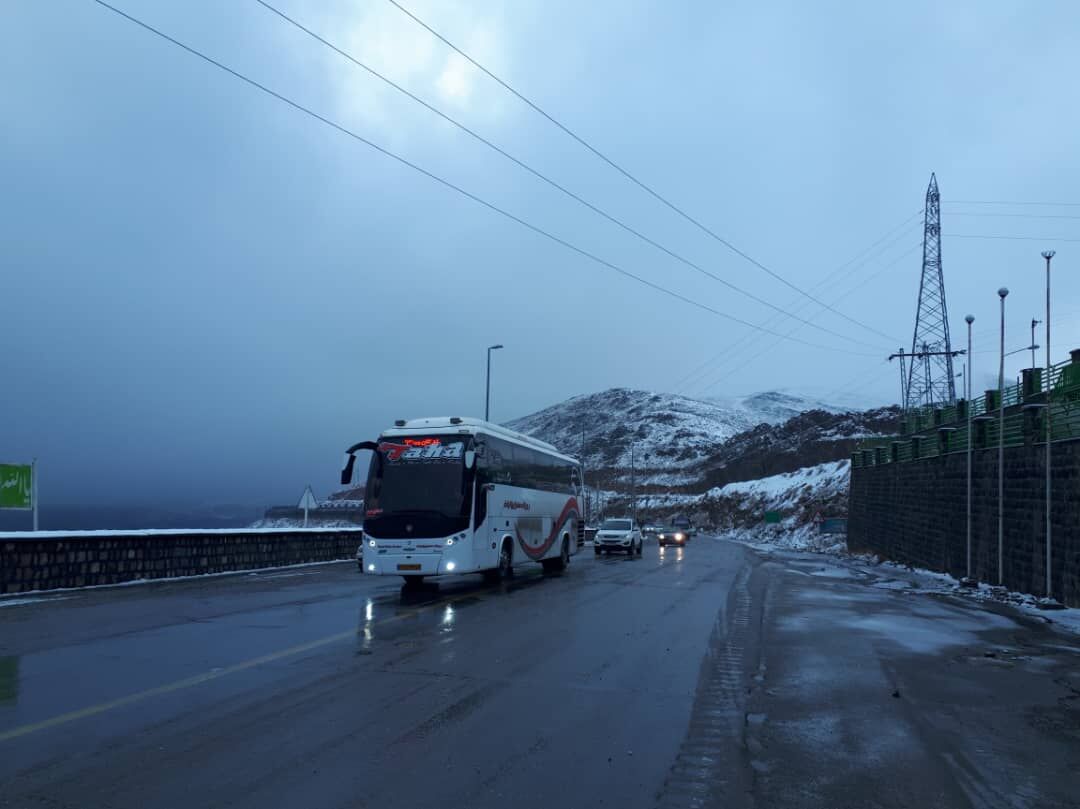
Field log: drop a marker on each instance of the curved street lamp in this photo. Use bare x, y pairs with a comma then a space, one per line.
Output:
487, 395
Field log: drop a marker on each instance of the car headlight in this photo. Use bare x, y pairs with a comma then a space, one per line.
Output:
679, 536
661, 536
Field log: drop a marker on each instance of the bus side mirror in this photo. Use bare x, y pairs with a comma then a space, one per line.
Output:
350, 459
470, 458
347, 472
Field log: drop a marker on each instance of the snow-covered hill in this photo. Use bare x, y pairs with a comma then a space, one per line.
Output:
664, 429
689, 446
776, 407
739, 508
674, 438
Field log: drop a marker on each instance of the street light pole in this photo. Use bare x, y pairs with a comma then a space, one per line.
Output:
967, 383
1047, 254
633, 485
584, 491
487, 394
1002, 293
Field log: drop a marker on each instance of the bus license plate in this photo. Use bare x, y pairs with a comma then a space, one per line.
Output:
408, 567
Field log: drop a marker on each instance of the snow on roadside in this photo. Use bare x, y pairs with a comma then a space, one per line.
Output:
785, 489
888, 575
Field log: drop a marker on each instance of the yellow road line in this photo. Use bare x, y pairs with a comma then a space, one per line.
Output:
213, 674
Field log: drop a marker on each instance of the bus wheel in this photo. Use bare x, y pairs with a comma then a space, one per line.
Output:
506, 562
555, 565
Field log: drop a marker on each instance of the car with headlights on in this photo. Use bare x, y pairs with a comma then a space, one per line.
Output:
673, 535
683, 525
620, 534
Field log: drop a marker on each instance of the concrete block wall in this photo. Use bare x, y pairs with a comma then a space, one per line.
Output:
915, 512
52, 560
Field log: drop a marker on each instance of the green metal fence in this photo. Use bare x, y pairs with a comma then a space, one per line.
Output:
929, 432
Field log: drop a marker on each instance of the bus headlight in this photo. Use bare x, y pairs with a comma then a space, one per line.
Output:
371, 568
450, 541
371, 543
450, 566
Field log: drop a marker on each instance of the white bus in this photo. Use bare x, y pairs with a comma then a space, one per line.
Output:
461, 495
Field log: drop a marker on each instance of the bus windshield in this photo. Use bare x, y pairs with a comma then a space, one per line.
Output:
419, 481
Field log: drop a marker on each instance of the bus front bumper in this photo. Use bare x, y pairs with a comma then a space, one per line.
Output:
415, 564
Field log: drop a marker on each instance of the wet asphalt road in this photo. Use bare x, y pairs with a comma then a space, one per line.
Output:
714, 676
570, 690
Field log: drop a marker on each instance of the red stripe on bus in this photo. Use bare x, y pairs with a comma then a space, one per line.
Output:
535, 552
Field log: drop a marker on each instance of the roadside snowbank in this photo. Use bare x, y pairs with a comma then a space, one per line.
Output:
889, 575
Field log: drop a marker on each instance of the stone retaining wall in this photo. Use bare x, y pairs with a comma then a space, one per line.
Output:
51, 560
915, 512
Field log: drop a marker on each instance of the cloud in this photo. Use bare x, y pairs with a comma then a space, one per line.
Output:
387, 41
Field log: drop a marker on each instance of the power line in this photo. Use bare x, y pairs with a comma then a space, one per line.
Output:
726, 355
834, 276
855, 288
1015, 215
656, 195
1017, 238
1003, 202
446, 183
541, 176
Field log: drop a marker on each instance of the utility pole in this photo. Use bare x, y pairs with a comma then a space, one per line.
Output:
967, 393
584, 491
1048, 254
633, 485
645, 475
1002, 293
903, 379
1034, 323
925, 356
34, 490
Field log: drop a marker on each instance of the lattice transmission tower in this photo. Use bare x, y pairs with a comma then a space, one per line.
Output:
930, 379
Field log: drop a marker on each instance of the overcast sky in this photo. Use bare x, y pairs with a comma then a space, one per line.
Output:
207, 295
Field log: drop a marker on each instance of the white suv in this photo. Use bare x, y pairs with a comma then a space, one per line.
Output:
618, 534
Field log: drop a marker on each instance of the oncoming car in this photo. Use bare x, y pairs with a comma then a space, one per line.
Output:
684, 526
621, 535
672, 536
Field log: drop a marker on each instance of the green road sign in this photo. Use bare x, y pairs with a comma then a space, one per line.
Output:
16, 486
772, 517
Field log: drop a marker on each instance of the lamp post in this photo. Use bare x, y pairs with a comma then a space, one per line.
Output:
1002, 293
1047, 254
487, 395
584, 491
967, 393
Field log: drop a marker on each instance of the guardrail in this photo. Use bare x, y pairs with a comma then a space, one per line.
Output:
930, 432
